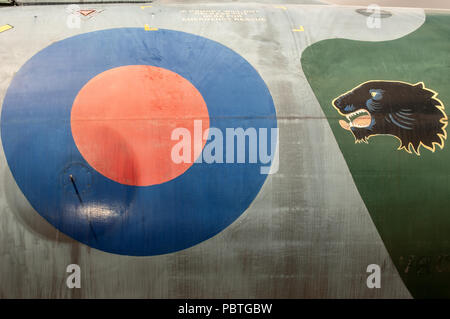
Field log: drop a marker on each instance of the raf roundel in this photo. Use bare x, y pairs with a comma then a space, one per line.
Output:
87, 136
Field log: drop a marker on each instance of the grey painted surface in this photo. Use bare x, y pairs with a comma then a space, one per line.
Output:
170, 1
306, 235
437, 4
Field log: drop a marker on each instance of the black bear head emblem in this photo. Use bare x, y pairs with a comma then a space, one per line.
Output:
410, 112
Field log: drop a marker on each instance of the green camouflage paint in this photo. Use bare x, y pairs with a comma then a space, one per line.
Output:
407, 196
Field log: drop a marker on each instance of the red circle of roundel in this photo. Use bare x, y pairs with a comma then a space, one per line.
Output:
123, 118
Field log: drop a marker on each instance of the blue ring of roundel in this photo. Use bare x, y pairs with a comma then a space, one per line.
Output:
112, 217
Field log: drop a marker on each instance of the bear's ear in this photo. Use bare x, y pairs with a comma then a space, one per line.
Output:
419, 85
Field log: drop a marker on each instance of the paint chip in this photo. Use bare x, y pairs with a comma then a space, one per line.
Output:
147, 28
5, 27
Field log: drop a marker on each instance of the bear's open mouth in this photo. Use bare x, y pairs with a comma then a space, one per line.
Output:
360, 119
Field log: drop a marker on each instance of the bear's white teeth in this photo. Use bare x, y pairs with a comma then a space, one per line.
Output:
360, 119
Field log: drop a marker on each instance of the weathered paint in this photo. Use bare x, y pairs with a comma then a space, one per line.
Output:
406, 194
307, 233
127, 209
